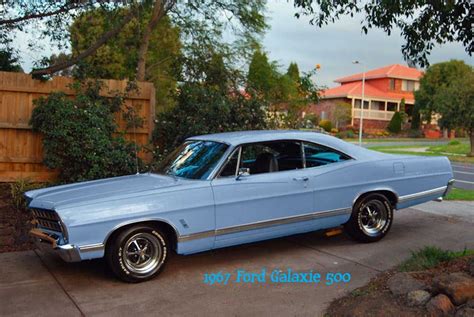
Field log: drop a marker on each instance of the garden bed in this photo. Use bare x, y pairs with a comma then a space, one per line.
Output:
14, 224
380, 298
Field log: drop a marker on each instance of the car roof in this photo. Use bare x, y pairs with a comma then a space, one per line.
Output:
242, 137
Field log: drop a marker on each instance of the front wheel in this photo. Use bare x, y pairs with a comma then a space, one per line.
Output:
371, 218
137, 254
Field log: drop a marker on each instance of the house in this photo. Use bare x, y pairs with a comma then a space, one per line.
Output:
385, 88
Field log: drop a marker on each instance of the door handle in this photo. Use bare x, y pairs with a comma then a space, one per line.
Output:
301, 179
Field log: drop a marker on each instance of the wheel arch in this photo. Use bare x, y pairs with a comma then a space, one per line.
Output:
389, 193
169, 230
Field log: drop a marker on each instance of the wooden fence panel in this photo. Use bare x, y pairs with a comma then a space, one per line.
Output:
21, 150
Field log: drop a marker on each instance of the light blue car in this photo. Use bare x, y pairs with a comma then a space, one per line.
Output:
226, 189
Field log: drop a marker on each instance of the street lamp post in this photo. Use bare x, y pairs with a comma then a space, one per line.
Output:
361, 119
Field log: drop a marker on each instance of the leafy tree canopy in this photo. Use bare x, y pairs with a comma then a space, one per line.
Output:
201, 22
447, 89
9, 62
422, 23
118, 58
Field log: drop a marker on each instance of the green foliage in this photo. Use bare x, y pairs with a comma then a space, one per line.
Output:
454, 142
395, 124
447, 89
202, 109
18, 188
347, 134
326, 125
423, 24
8, 61
416, 118
262, 76
118, 58
293, 72
78, 134
429, 257
341, 114
460, 194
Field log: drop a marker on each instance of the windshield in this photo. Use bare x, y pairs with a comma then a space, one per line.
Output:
193, 159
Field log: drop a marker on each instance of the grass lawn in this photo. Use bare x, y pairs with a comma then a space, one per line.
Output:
460, 194
461, 148
429, 257
381, 140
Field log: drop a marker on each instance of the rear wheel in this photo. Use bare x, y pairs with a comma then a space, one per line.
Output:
137, 254
371, 218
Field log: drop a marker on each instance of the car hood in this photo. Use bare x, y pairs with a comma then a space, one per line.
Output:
99, 190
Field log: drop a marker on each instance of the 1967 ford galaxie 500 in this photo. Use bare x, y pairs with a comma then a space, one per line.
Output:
226, 189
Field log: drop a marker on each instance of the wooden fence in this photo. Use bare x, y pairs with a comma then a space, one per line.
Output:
21, 152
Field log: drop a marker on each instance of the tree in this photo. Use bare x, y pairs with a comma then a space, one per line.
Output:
294, 73
423, 24
9, 62
447, 89
262, 76
118, 58
200, 21
341, 114
395, 124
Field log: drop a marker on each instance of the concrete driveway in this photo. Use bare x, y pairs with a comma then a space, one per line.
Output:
34, 283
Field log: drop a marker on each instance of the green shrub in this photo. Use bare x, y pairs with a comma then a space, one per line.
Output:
18, 188
78, 134
454, 142
326, 125
395, 124
346, 134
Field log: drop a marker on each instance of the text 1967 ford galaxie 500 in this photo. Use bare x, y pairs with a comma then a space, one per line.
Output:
226, 189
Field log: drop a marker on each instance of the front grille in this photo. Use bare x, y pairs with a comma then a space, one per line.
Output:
47, 219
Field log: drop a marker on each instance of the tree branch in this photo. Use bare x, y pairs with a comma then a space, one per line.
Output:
65, 8
91, 50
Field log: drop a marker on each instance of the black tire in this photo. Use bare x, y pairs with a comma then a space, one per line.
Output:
137, 253
371, 218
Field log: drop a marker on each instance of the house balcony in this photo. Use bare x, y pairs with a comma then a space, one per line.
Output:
373, 114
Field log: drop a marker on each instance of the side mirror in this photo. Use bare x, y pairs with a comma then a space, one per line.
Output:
243, 171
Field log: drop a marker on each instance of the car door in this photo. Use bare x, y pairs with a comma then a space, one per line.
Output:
265, 203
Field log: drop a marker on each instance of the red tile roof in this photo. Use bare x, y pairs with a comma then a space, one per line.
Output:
390, 71
354, 89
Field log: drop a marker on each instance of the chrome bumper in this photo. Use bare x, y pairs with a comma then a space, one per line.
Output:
67, 252
449, 186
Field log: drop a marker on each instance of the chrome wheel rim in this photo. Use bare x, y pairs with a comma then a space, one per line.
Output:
373, 217
141, 253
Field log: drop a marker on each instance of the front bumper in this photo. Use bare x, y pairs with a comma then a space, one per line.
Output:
44, 242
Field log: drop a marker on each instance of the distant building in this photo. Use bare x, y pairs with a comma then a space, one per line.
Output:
384, 89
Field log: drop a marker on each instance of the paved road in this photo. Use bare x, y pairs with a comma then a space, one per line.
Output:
464, 175
34, 283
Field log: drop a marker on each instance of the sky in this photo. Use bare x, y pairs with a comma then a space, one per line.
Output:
334, 46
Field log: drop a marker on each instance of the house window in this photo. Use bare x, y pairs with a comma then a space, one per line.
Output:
408, 85
357, 103
391, 106
392, 84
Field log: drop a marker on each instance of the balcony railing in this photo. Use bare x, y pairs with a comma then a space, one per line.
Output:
373, 114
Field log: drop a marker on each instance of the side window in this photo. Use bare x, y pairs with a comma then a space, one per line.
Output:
230, 168
275, 156
317, 155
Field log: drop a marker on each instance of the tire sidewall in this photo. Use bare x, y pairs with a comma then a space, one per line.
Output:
117, 249
388, 208
355, 223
